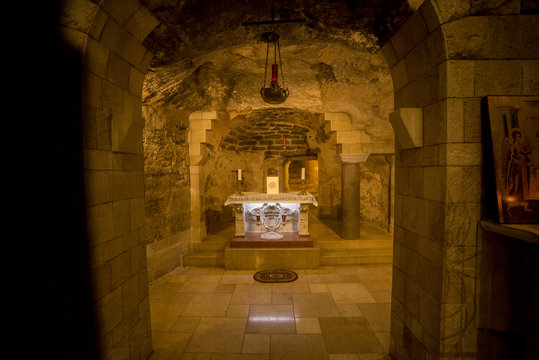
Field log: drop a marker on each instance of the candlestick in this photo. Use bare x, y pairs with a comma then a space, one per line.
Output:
239, 175
302, 173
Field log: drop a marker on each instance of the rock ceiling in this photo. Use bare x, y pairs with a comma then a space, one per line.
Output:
205, 59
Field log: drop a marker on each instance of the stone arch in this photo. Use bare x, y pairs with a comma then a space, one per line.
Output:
443, 61
432, 69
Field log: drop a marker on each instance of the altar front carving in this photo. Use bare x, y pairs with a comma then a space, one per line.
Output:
272, 220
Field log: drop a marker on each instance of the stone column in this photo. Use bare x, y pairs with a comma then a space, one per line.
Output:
350, 165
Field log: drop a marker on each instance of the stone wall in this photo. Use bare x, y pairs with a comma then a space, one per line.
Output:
444, 62
109, 36
167, 195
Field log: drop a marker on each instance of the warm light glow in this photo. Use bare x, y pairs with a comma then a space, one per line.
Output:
270, 318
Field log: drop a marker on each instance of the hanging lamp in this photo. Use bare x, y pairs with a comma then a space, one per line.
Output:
274, 93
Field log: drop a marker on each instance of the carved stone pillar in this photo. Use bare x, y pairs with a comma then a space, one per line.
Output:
239, 217
351, 194
304, 220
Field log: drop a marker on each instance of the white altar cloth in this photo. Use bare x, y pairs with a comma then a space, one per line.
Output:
256, 197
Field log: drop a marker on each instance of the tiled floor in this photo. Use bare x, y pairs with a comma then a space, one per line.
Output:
337, 313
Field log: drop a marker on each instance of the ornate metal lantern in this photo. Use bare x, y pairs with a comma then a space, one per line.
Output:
274, 93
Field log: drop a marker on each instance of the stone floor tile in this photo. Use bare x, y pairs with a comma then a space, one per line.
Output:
318, 288
349, 335
281, 299
163, 316
349, 310
170, 297
240, 357
377, 315
218, 335
195, 356
296, 287
198, 287
225, 288
344, 357
308, 326
167, 345
251, 294
185, 324
271, 319
298, 347
238, 310
256, 344
314, 305
349, 293
207, 305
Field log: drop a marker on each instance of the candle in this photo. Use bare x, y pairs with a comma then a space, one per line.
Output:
302, 173
239, 174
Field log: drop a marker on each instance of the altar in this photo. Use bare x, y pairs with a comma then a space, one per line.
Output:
271, 220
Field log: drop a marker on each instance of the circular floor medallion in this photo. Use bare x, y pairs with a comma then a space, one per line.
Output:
275, 276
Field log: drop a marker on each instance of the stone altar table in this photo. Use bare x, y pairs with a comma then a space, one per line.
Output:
271, 220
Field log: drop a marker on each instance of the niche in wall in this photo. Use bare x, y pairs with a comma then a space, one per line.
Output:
292, 174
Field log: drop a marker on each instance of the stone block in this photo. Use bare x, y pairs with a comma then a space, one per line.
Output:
461, 154
513, 37
118, 70
78, 14
112, 97
408, 126
119, 185
138, 258
485, 7
530, 77
434, 183
436, 221
100, 224
412, 296
409, 35
430, 15
201, 124
196, 136
208, 115
413, 209
467, 38
463, 184
96, 57
136, 81
120, 11
436, 47
101, 283
92, 92
121, 213
461, 224
112, 248
454, 119
130, 295
456, 78
415, 181
417, 62
109, 310
434, 123
452, 10
127, 133
401, 180
498, 77
389, 54
141, 23
136, 206
430, 312
120, 267
339, 121
472, 119
399, 75
97, 160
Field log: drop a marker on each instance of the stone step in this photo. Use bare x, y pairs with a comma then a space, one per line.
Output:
271, 258
354, 244
209, 246
356, 257
204, 258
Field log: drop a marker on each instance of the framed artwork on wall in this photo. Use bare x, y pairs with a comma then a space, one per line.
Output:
511, 139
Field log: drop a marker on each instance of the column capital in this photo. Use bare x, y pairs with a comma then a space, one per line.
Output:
352, 158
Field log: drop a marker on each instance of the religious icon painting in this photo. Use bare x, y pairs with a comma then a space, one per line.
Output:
512, 155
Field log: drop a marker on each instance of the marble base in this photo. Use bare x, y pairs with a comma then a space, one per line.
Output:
254, 240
